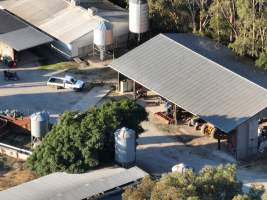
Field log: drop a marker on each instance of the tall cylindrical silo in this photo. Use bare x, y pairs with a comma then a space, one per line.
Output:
138, 16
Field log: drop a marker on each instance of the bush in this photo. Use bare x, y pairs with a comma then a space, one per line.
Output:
82, 141
261, 62
210, 183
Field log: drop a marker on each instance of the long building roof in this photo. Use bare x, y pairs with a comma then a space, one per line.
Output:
193, 81
62, 20
63, 186
19, 35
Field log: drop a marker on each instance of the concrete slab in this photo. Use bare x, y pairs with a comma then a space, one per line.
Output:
92, 98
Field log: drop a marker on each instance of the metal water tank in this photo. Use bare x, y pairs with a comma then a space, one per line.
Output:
39, 124
138, 16
103, 34
125, 147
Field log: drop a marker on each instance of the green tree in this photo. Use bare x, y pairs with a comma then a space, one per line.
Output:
210, 183
169, 16
252, 27
81, 141
261, 62
242, 197
222, 24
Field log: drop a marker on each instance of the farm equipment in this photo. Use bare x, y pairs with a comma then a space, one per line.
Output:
8, 75
141, 92
164, 117
196, 122
9, 62
210, 130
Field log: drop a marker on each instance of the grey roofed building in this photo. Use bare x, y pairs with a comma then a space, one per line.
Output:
192, 81
19, 35
63, 186
71, 25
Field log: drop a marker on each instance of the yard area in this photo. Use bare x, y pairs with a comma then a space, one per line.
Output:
30, 94
162, 146
13, 172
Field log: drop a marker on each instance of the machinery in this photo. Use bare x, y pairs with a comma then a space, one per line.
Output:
196, 122
210, 130
9, 75
207, 129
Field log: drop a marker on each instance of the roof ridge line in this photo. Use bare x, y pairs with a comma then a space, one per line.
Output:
221, 66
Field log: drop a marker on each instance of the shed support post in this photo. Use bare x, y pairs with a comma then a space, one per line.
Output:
134, 90
219, 144
118, 84
175, 114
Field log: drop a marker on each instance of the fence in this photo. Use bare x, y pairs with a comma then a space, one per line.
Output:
14, 152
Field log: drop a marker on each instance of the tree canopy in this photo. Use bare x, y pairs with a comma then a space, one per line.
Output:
81, 141
210, 183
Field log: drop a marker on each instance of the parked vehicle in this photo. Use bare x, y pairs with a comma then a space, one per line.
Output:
9, 75
66, 82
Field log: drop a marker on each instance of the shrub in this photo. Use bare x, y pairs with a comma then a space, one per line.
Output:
82, 141
210, 183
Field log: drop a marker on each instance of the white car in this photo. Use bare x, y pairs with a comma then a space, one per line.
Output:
65, 82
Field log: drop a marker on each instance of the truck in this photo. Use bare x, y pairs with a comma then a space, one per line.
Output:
67, 82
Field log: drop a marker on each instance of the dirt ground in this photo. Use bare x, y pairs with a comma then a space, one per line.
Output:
30, 94
160, 147
14, 173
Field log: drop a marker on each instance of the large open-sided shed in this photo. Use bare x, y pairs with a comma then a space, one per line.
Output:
17, 35
197, 84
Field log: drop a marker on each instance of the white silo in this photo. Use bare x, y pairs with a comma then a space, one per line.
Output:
103, 37
138, 16
39, 126
125, 147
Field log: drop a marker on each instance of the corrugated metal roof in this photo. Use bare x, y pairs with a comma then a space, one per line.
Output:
193, 82
70, 24
25, 38
223, 56
34, 11
9, 23
61, 20
18, 34
62, 186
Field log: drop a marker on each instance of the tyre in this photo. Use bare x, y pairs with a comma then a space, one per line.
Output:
214, 132
196, 126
